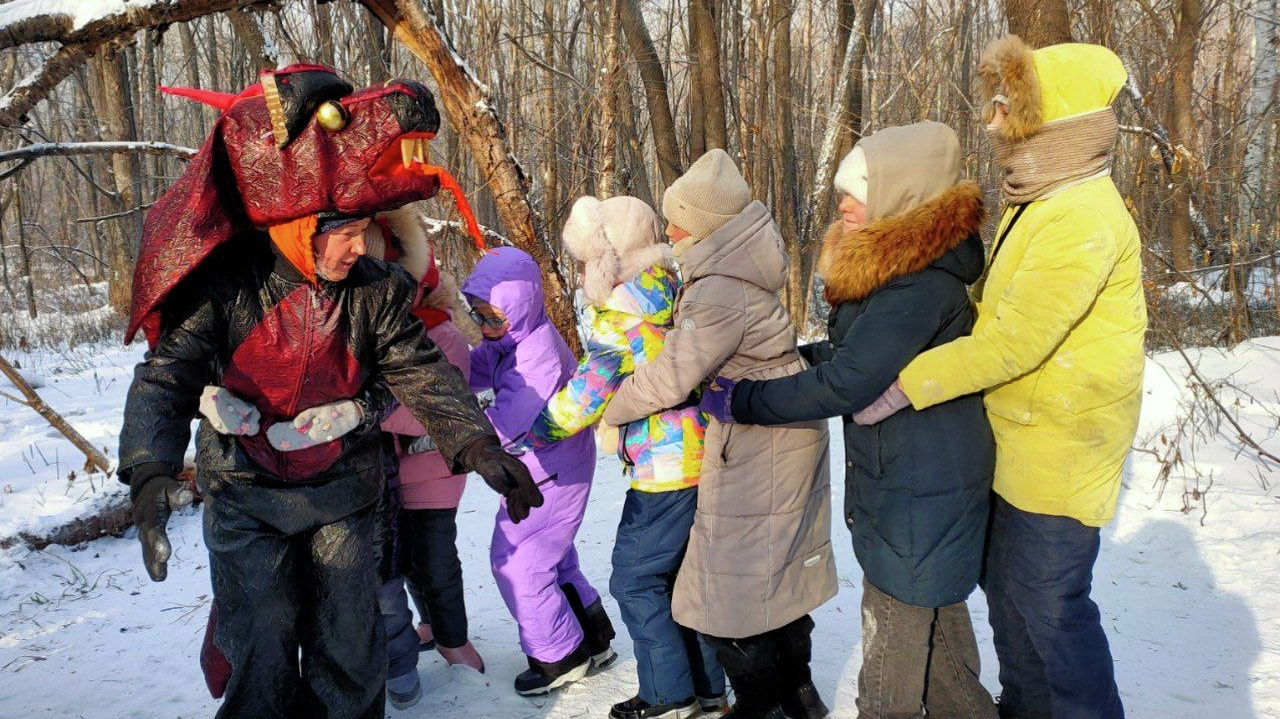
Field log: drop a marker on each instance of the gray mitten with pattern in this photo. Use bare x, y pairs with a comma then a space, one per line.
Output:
314, 426
227, 413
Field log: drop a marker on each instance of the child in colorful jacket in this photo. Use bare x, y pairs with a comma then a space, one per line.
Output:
563, 626
630, 286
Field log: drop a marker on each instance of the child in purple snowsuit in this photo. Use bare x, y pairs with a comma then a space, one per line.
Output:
563, 626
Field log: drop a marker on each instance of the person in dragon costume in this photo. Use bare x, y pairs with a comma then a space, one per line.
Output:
263, 315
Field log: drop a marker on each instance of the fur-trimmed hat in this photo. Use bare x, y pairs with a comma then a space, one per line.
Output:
1048, 84
616, 239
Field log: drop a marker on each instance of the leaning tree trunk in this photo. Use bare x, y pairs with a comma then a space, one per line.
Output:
661, 122
1039, 22
245, 25
470, 111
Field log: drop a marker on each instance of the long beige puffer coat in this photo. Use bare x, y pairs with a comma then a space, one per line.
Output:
759, 552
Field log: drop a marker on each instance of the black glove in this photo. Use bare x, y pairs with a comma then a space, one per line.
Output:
504, 473
153, 500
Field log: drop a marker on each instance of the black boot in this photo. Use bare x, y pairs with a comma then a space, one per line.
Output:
755, 695
637, 708
545, 677
596, 627
803, 703
796, 692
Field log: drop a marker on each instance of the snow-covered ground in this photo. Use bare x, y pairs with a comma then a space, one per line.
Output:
1188, 582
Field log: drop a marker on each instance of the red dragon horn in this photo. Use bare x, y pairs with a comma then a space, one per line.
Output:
212, 98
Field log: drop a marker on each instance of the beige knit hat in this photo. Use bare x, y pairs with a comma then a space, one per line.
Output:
710, 193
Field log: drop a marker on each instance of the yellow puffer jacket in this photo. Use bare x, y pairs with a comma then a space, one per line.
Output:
1058, 343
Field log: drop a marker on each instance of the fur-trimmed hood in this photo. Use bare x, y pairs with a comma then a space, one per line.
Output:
1048, 84
856, 264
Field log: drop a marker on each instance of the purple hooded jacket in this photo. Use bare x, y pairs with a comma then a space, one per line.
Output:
527, 366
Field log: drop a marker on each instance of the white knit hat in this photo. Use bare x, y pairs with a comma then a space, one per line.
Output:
851, 177
616, 238
710, 193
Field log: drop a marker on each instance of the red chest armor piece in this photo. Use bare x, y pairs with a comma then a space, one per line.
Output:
295, 359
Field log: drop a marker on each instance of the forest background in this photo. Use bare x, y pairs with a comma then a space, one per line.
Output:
547, 100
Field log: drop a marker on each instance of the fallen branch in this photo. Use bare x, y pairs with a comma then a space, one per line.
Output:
94, 459
81, 32
68, 149
109, 521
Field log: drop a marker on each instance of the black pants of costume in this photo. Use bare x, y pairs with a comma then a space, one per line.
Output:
293, 574
766, 668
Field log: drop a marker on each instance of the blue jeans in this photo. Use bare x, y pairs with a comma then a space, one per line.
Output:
674, 663
1054, 659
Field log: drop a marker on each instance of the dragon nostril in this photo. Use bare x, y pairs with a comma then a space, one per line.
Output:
415, 107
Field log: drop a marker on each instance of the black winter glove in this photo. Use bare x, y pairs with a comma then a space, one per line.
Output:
505, 474
154, 499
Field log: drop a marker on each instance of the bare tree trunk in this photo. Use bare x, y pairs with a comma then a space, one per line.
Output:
1039, 22
470, 111
637, 175
323, 23
607, 185
5, 201
216, 81
1185, 36
24, 257
855, 16
117, 113
550, 110
786, 190
1257, 207
661, 122
704, 21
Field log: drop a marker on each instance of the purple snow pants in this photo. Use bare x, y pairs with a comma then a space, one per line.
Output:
530, 561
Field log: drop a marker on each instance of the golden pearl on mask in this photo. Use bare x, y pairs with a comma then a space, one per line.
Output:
332, 116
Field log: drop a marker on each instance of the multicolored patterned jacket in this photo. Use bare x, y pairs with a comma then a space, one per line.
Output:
662, 452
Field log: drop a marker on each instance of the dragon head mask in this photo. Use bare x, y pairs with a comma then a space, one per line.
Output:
299, 142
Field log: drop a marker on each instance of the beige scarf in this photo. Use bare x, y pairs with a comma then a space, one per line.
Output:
1061, 153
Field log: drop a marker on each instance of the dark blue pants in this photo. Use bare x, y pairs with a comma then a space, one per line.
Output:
433, 572
1054, 659
674, 663
402, 637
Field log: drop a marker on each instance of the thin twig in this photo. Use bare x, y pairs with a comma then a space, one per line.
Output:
1241, 434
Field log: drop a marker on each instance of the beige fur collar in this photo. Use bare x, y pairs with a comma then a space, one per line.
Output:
857, 263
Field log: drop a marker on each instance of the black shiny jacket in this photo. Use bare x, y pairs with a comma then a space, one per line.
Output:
246, 301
